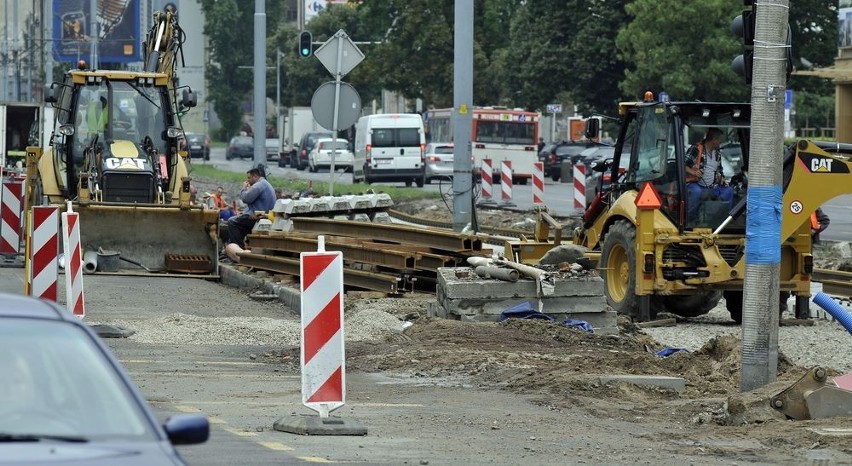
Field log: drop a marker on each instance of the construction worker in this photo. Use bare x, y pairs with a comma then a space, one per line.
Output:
704, 177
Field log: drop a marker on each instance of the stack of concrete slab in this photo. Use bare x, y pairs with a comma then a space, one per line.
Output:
464, 295
358, 207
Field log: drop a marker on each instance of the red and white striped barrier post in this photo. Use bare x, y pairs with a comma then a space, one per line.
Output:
43, 253
74, 300
580, 186
538, 183
506, 182
10, 211
485, 179
323, 363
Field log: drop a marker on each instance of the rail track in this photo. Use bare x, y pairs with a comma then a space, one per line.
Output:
834, 282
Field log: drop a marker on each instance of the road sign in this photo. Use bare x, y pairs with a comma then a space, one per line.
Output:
554, 108
349, 107
349, 57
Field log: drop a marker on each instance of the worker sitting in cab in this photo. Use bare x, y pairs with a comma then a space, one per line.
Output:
704, 177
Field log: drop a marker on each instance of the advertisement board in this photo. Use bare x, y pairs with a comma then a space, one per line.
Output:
117, 29
844, 22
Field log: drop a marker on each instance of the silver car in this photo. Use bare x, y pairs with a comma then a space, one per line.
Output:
439, 161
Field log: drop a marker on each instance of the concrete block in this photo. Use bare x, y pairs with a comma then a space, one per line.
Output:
360, 218
263, 224
297, 206
660, 381
319, 204
281, 205
338, 203
467, 286
361, 201
315, 425
383, 200
382, 217
282, 224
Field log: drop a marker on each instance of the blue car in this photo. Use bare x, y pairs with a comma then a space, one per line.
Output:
65, 399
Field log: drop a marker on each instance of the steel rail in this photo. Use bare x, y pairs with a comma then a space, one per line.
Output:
351, 251
395, 233
834, 282
360, 279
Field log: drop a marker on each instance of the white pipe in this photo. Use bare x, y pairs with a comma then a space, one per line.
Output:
90, 261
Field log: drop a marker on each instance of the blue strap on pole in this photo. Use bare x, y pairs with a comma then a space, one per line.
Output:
763, 225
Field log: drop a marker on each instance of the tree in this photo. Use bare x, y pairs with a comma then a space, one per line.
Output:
683, 48
230, 45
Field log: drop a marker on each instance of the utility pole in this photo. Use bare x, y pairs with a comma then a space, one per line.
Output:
462, 114
259, 83
764, 207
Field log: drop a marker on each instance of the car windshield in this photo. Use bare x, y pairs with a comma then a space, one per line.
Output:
442, 150
55, 381
194, 138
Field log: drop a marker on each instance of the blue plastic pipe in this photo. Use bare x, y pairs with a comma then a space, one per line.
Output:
836, 310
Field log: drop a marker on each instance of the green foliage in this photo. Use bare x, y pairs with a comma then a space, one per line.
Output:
590, 53
292, 185
683, 48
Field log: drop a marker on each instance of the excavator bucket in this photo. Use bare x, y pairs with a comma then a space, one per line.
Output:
151, 238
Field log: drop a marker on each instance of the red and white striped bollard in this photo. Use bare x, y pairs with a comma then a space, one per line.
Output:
11, 212
538, 183
74, 299
580, 186
506, 182
323, 361
43, 253
485, 180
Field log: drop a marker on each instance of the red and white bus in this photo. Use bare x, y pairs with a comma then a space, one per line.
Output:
499, 134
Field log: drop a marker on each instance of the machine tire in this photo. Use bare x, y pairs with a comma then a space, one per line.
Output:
408, 183
734, 304
618, 264
420, 181
692, 305
555, 177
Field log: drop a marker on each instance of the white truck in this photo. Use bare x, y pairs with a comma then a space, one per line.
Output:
299, 120
21, 125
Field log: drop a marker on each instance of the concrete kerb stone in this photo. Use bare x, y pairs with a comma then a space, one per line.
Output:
676, 384
287, 295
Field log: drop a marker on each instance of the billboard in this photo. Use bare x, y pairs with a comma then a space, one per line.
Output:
313, 7
844, 22
118, 30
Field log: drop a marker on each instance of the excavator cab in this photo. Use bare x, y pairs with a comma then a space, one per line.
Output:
654, 137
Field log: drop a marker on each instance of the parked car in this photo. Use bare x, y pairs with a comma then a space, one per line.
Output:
287, 154
320, 155
240, 147
554, 154
198, 145
306, 144
65, 399
439, 161
272, 153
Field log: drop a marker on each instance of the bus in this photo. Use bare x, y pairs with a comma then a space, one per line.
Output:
499, 134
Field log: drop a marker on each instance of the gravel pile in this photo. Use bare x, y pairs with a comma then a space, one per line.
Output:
826, 343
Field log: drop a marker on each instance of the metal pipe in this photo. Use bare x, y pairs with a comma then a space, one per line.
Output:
498, 273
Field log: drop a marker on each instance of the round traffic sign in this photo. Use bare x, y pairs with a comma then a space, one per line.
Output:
348, 108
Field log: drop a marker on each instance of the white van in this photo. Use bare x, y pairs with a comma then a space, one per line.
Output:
390, 147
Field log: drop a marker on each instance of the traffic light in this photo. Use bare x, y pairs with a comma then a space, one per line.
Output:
743, 26
306, 46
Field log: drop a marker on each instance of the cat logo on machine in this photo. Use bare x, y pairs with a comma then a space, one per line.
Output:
817, 164
115, 163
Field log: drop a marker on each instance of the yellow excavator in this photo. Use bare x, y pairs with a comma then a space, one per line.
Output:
654, 252
115, 154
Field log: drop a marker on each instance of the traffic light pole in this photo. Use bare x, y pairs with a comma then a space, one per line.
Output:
764, 204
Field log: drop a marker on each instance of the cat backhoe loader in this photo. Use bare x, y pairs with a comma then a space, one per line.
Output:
115, 155
652, 256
